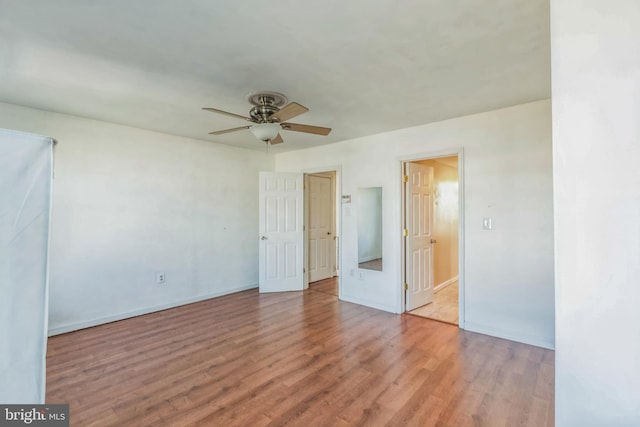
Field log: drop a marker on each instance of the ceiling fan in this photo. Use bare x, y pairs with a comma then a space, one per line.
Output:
268, 117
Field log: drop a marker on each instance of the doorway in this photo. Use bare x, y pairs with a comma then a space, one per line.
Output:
431, 204
321, 231
285, 256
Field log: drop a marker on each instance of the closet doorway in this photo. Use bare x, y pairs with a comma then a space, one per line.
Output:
321, 228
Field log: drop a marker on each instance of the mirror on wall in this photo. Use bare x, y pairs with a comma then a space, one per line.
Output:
369, 205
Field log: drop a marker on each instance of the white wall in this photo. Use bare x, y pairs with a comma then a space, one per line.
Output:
129, 203
596, 140
508, 272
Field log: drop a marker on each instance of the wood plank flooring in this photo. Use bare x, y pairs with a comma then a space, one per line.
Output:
327, 286
292, 358
444, 306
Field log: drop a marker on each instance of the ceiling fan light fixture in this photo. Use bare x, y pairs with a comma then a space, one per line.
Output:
268, 119
265, 131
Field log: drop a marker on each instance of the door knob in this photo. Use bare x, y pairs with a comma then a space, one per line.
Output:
328, 233
263, 238
433, 241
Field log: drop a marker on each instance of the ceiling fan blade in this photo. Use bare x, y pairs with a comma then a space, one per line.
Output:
220, 132
277, 140
226, 113
290, 111
316, 130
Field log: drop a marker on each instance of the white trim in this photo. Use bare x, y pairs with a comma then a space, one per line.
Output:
333, 268
510, 335
337, 185
121, 316
307, 231
445, 284
461, 236
461, 242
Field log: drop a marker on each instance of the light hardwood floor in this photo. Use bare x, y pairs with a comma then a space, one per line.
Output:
302, 359
327, 286
444, 306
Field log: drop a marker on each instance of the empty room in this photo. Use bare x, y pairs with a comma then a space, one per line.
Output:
253, 213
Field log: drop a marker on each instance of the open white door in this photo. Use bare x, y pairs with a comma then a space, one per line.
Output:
418, 223
281, 232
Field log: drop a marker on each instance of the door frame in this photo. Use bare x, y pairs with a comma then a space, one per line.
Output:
461, 224
337, 220
307, 206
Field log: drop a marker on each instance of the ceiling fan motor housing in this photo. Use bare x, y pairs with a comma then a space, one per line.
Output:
265, 104
261, 113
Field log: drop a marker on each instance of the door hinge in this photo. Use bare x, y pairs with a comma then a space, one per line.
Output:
304, 270
406, 286
405, 232
405, 178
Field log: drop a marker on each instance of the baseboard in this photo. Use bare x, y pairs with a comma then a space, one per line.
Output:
445, 284
368, 303
121, 316
509, 335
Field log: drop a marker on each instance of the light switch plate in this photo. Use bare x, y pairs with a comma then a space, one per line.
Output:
487, 223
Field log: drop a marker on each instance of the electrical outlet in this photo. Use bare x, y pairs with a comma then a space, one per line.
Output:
361, 275
160, 277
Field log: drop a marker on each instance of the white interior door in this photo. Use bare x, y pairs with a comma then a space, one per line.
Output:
281, 232
419, 225
320, 228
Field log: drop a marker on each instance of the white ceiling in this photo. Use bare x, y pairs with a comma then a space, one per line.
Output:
361, 67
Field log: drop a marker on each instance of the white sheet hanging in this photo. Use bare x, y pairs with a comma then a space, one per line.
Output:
25, 211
